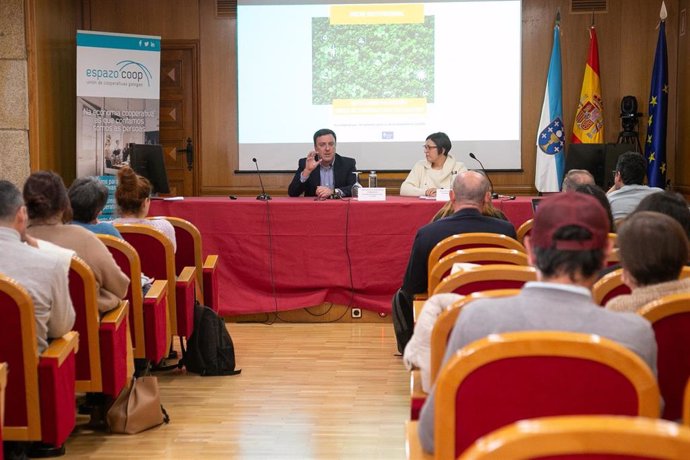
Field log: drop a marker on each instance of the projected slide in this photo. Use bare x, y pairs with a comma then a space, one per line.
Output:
383, 76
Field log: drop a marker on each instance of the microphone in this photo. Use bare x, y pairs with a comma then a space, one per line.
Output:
264, 196
494, 195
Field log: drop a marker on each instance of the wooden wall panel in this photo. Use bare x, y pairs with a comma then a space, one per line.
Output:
627, 38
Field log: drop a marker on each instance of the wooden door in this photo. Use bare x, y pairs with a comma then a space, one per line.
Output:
179, 114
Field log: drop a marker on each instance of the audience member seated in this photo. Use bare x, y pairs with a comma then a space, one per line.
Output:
568, 245
576, 177
324, 173
628, 189
133, 201
653, 249
470, 194
49, 208
41, 273
88, 197
596, 192
418, 350
435, 171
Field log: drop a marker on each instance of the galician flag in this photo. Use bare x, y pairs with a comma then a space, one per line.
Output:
655, 145
548, 173
589, 119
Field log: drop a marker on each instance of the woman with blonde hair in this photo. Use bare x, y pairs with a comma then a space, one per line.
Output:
133, 201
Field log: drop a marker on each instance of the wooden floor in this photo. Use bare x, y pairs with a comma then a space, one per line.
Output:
307, 391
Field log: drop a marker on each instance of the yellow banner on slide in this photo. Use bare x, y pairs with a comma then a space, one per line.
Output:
379, 106
407, 13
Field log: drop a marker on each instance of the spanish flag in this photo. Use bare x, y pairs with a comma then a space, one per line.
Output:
589, 119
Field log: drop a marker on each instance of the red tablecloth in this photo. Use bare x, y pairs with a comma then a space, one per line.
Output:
289, 253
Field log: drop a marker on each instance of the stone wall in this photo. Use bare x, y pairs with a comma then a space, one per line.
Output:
14, 112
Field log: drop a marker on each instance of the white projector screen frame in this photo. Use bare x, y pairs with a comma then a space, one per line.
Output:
470, 81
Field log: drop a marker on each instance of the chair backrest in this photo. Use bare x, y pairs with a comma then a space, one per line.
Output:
513, 376
157, 260
686, 404
609, 286
446, 321
524, 230
480, 256
3, 385
670, 318
19, 349
584, 437
471, 240
487, 277
127, 259
189, 252
614, 257
83, 291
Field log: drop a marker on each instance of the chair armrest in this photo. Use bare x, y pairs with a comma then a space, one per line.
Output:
117, 314
61, 348
417, 306
187, 275
157, 290
211, 262
413, 448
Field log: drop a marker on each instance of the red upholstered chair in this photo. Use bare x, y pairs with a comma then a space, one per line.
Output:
40, 403
609, 286
3, 385
102, 364
479, 256
158, 261
189, 254
439, 338
487, 277
468, 241
584, 437
507, 377
670, 318
148, 316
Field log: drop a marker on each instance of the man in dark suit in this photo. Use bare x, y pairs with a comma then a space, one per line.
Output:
324, 173
470, 194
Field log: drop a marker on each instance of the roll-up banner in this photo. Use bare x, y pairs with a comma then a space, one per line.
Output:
118, 100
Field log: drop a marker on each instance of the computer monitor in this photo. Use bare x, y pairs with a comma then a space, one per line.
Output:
599, 159
147, 161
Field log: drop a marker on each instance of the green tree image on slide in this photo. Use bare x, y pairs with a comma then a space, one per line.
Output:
372, 61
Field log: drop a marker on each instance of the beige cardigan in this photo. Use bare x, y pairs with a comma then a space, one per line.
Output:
643, 295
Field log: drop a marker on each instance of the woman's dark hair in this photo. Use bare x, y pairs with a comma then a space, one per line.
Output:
670, 203
442, 142
45, 196
554, 262
132, 191
653, 247
88, 197
599, 194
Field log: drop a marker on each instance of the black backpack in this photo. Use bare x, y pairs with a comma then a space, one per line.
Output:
403, 320
209, 349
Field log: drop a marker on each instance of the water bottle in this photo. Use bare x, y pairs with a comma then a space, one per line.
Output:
372, 179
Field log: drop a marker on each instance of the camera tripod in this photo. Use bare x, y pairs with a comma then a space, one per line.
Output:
630, 137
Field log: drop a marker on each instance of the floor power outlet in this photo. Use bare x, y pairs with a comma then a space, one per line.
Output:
356, 312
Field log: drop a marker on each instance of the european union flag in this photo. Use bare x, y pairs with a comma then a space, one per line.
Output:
655, 144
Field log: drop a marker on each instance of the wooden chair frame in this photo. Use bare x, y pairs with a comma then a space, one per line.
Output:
474, 255
185, 278
95, 326
686, 404
658, 310
204, 267
486, 273
606, 284
597, 435
3, 385
58, 349
524, 230
519, 344
136, 316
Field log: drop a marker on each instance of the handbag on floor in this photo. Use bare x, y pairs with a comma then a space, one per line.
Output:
137, 408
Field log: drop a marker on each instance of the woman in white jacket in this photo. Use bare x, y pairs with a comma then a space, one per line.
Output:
434, 172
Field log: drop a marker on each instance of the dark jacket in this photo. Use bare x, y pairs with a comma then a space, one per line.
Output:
343, 167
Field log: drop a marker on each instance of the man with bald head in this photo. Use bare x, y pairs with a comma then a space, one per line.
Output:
470, 193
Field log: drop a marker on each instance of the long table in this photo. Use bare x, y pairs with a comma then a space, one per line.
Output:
289, 253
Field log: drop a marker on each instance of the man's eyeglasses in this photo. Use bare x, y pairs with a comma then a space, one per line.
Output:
430, 147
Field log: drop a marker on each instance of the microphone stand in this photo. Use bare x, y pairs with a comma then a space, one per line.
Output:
263, 196
494, 195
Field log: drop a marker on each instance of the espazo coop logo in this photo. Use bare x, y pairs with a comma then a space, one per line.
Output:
127, 73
